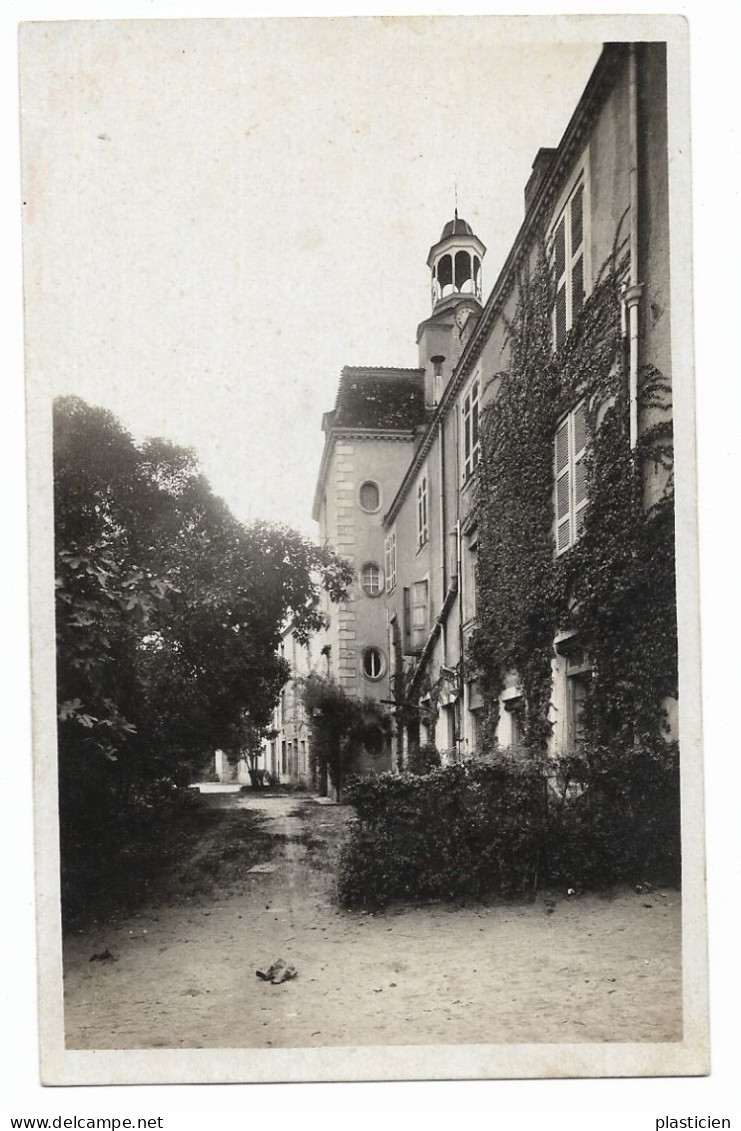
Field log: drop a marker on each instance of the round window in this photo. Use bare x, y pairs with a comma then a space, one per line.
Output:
370, 495
372, 663
370, 579
373, 740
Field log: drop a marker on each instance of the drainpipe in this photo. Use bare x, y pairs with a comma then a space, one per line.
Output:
461, 643
633, 291
441, 481
443, 523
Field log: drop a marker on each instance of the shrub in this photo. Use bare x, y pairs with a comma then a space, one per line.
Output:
459, 830
510, 824
618, 820
422, 759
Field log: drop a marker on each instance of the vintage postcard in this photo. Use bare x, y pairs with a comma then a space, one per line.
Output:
363, 549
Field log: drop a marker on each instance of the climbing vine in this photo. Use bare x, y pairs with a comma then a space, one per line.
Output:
615, 586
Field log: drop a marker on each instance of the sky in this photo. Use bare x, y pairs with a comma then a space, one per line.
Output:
221, 214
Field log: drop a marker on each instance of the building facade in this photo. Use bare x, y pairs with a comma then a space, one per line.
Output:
399, 491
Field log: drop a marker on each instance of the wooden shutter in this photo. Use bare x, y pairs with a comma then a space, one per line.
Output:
407, 634
559, 265
453, 554
563, 488
467, 435
474, 425
422, 512
559, 250
577, 252
390, 561
577, 220
580, 469
419, 615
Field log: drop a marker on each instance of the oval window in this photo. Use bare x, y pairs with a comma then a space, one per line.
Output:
370, 579
372, 663
373, 740
370, 495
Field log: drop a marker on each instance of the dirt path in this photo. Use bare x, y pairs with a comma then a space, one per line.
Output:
183, 976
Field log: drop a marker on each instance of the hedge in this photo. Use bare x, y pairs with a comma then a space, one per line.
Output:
511, 824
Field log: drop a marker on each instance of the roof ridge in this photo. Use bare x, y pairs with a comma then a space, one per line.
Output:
382, 369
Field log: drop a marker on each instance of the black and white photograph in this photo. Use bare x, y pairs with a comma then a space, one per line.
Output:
363, 542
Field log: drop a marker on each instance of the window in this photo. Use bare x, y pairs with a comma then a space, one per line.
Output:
567, 249
470, 423
422, 524
517, 726
373, 740
372, 663
369, 496
571, 477
514, 706
371, 580
391, 561
579, 676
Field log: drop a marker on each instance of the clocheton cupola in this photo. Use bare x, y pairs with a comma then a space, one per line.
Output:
456, 291
455, 261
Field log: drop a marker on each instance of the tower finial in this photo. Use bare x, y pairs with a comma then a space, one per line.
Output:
456, 200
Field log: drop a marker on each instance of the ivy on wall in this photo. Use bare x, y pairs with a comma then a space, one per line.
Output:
615, 586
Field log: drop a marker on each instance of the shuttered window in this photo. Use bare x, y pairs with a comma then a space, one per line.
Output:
568, 251
570, 477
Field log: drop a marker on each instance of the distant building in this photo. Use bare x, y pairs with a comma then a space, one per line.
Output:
285, 751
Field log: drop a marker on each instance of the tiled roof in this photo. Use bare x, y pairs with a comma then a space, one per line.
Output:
391, 399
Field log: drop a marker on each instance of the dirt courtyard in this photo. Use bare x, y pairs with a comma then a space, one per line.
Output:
180, 972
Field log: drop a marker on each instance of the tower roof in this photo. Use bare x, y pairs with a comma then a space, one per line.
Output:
456, 227
378, 398
456, 230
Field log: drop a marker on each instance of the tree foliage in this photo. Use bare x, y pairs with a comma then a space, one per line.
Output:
169, 612
339, 726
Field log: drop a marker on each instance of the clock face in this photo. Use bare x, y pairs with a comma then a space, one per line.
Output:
462, 315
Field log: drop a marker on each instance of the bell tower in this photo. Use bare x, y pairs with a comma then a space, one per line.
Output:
455, 263
456, 293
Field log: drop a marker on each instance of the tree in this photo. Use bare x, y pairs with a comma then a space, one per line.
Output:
339, 726
169, 612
